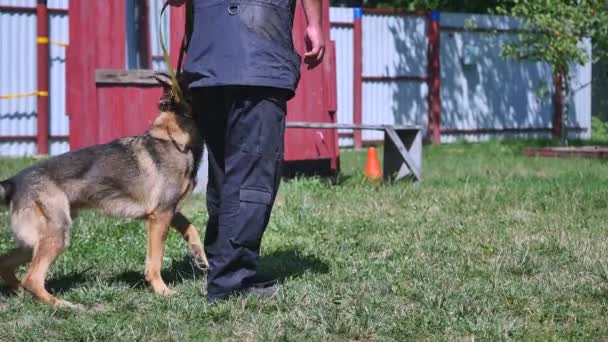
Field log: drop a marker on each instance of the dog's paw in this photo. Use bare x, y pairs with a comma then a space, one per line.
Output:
163, 290
200, 259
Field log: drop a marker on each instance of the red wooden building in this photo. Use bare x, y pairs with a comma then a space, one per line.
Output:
102, 110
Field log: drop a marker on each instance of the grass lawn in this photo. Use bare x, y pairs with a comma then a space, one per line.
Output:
492, 246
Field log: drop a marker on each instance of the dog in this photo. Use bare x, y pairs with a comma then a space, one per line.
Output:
144, 177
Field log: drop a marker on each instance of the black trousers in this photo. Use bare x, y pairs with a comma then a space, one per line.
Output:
244, 131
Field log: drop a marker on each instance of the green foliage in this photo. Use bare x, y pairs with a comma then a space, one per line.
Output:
599, 130
471, 6
555, 28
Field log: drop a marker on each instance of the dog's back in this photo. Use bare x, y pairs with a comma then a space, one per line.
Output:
128, 177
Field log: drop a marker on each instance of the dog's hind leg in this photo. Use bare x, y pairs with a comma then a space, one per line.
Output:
10, 262
192, 238
53, 237
45, 253
158, 226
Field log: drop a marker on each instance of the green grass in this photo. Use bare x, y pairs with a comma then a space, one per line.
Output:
491, 246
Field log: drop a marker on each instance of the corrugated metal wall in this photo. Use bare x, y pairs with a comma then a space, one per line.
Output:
580, 109
342, 33
393, 46
59, 125
479, 88
482, 90
18, 75
18, 70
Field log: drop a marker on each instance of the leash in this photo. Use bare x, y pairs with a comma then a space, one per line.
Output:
184, 46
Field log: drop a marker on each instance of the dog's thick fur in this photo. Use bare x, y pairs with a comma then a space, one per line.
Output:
142, 177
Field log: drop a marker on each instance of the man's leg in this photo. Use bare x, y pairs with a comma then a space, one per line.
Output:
209, 106
253, 153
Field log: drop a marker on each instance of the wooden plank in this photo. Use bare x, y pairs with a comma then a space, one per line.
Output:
122, 77
404, 152
321, 125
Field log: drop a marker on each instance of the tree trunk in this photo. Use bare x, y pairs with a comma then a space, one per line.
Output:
560, 106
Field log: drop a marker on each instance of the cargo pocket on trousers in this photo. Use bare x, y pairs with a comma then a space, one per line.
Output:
254, 206
255, 196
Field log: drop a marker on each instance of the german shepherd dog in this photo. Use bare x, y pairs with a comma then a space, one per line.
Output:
143, 177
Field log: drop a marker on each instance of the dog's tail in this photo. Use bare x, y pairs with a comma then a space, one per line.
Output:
6, 192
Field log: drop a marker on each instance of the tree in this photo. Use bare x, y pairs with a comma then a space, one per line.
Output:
471, 6
553, 32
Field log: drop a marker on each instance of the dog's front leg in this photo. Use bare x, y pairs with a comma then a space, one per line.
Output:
157, 225
192, 238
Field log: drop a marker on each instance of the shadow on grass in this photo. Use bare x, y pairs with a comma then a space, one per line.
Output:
290, 263
6, 292
283, 264
178, 272
56, 286
66, 282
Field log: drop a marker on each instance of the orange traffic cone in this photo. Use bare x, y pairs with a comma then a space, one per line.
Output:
372, 166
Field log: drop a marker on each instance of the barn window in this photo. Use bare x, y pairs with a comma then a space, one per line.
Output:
137, 48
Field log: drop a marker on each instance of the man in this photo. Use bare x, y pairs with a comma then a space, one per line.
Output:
243, 69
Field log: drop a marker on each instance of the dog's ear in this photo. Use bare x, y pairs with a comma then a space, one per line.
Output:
164, 80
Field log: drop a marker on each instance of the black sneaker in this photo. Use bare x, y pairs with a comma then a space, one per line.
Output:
260, 279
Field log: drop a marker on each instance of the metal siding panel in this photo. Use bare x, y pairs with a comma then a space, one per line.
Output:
343, 37
60, 4
394, 102
154, 9
59, 121
341, 14
19, 3
579, 105
401, 52
17, 75
394, 45
58, 147
473, 96
490, 91
17, 149
480, 21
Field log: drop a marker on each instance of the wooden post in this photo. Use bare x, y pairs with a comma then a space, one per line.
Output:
42, 31
358, 78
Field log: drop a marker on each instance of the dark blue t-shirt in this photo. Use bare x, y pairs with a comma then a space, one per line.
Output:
244, 42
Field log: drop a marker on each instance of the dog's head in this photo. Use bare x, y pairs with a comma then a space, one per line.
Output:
175, 120
170, 101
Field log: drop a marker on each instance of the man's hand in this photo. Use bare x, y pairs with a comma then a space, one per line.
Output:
315, 42
176, 3
315, 46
